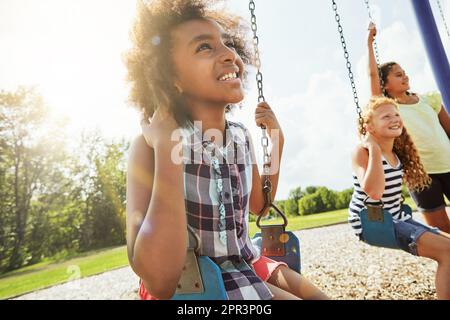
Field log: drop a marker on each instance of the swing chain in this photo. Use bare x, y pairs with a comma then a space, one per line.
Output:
375, 48
267, 188
349, 68
443, 18
257, 59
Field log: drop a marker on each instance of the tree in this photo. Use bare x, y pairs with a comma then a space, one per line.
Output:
310, 190
296, 193
109, 197
327, 197
102, 190
343, 198
52, 201
311, 203
291, 204
290, 207
31, 150
281, 205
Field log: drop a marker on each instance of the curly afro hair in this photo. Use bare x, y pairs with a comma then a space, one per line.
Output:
149, 61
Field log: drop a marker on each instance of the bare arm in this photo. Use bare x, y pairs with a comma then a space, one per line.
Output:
374, 76
444, 119
140, 176
265, 116
368, 167
156, 219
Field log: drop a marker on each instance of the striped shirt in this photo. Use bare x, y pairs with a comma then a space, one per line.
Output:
391, 197
218, 182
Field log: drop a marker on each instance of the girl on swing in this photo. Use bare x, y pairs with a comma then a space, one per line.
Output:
186, 69
386, 157
429, 125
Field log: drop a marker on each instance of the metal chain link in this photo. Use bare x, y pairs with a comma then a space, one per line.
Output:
267, 188
337, 17
375, 48
259, 76
443, 18
259, 81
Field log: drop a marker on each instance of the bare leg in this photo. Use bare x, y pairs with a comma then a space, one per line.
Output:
280, 294
437, 247
438, 218
296, 284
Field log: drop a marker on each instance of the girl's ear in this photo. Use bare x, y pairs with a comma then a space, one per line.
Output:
368, 127
386, 85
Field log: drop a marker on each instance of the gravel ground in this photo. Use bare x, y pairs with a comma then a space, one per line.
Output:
332, 258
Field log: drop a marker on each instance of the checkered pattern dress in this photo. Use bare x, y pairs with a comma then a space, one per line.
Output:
218, 182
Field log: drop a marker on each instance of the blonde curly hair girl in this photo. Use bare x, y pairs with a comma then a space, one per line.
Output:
415, 176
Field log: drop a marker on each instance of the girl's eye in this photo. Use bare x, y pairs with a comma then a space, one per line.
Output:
203, 46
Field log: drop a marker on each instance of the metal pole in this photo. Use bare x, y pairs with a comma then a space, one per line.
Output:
435, 49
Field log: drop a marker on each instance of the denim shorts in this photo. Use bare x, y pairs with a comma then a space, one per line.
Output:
408, 232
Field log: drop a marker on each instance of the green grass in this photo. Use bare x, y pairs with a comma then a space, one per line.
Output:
409, 201
306, 222
47, 274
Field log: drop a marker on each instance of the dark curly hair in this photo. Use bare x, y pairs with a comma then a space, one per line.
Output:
149, 62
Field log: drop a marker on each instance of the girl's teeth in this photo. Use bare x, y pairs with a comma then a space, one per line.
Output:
228, 76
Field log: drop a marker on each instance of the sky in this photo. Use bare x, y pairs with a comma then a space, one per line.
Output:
72, 52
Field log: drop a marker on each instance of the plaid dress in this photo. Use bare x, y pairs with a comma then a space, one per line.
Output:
218, 182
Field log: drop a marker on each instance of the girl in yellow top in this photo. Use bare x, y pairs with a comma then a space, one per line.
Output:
428, 123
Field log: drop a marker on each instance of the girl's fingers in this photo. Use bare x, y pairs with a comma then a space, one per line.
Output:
263, 120
263, 105
260, 115
259, 123
263, 111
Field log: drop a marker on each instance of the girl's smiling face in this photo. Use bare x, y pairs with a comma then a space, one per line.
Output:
207, 68
397, 81
385, 122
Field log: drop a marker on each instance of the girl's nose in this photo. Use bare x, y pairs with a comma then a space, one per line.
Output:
228, 54
397, 122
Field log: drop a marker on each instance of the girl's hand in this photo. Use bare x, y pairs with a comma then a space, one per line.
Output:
159, 128
369, 142
372, 33
265, 116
